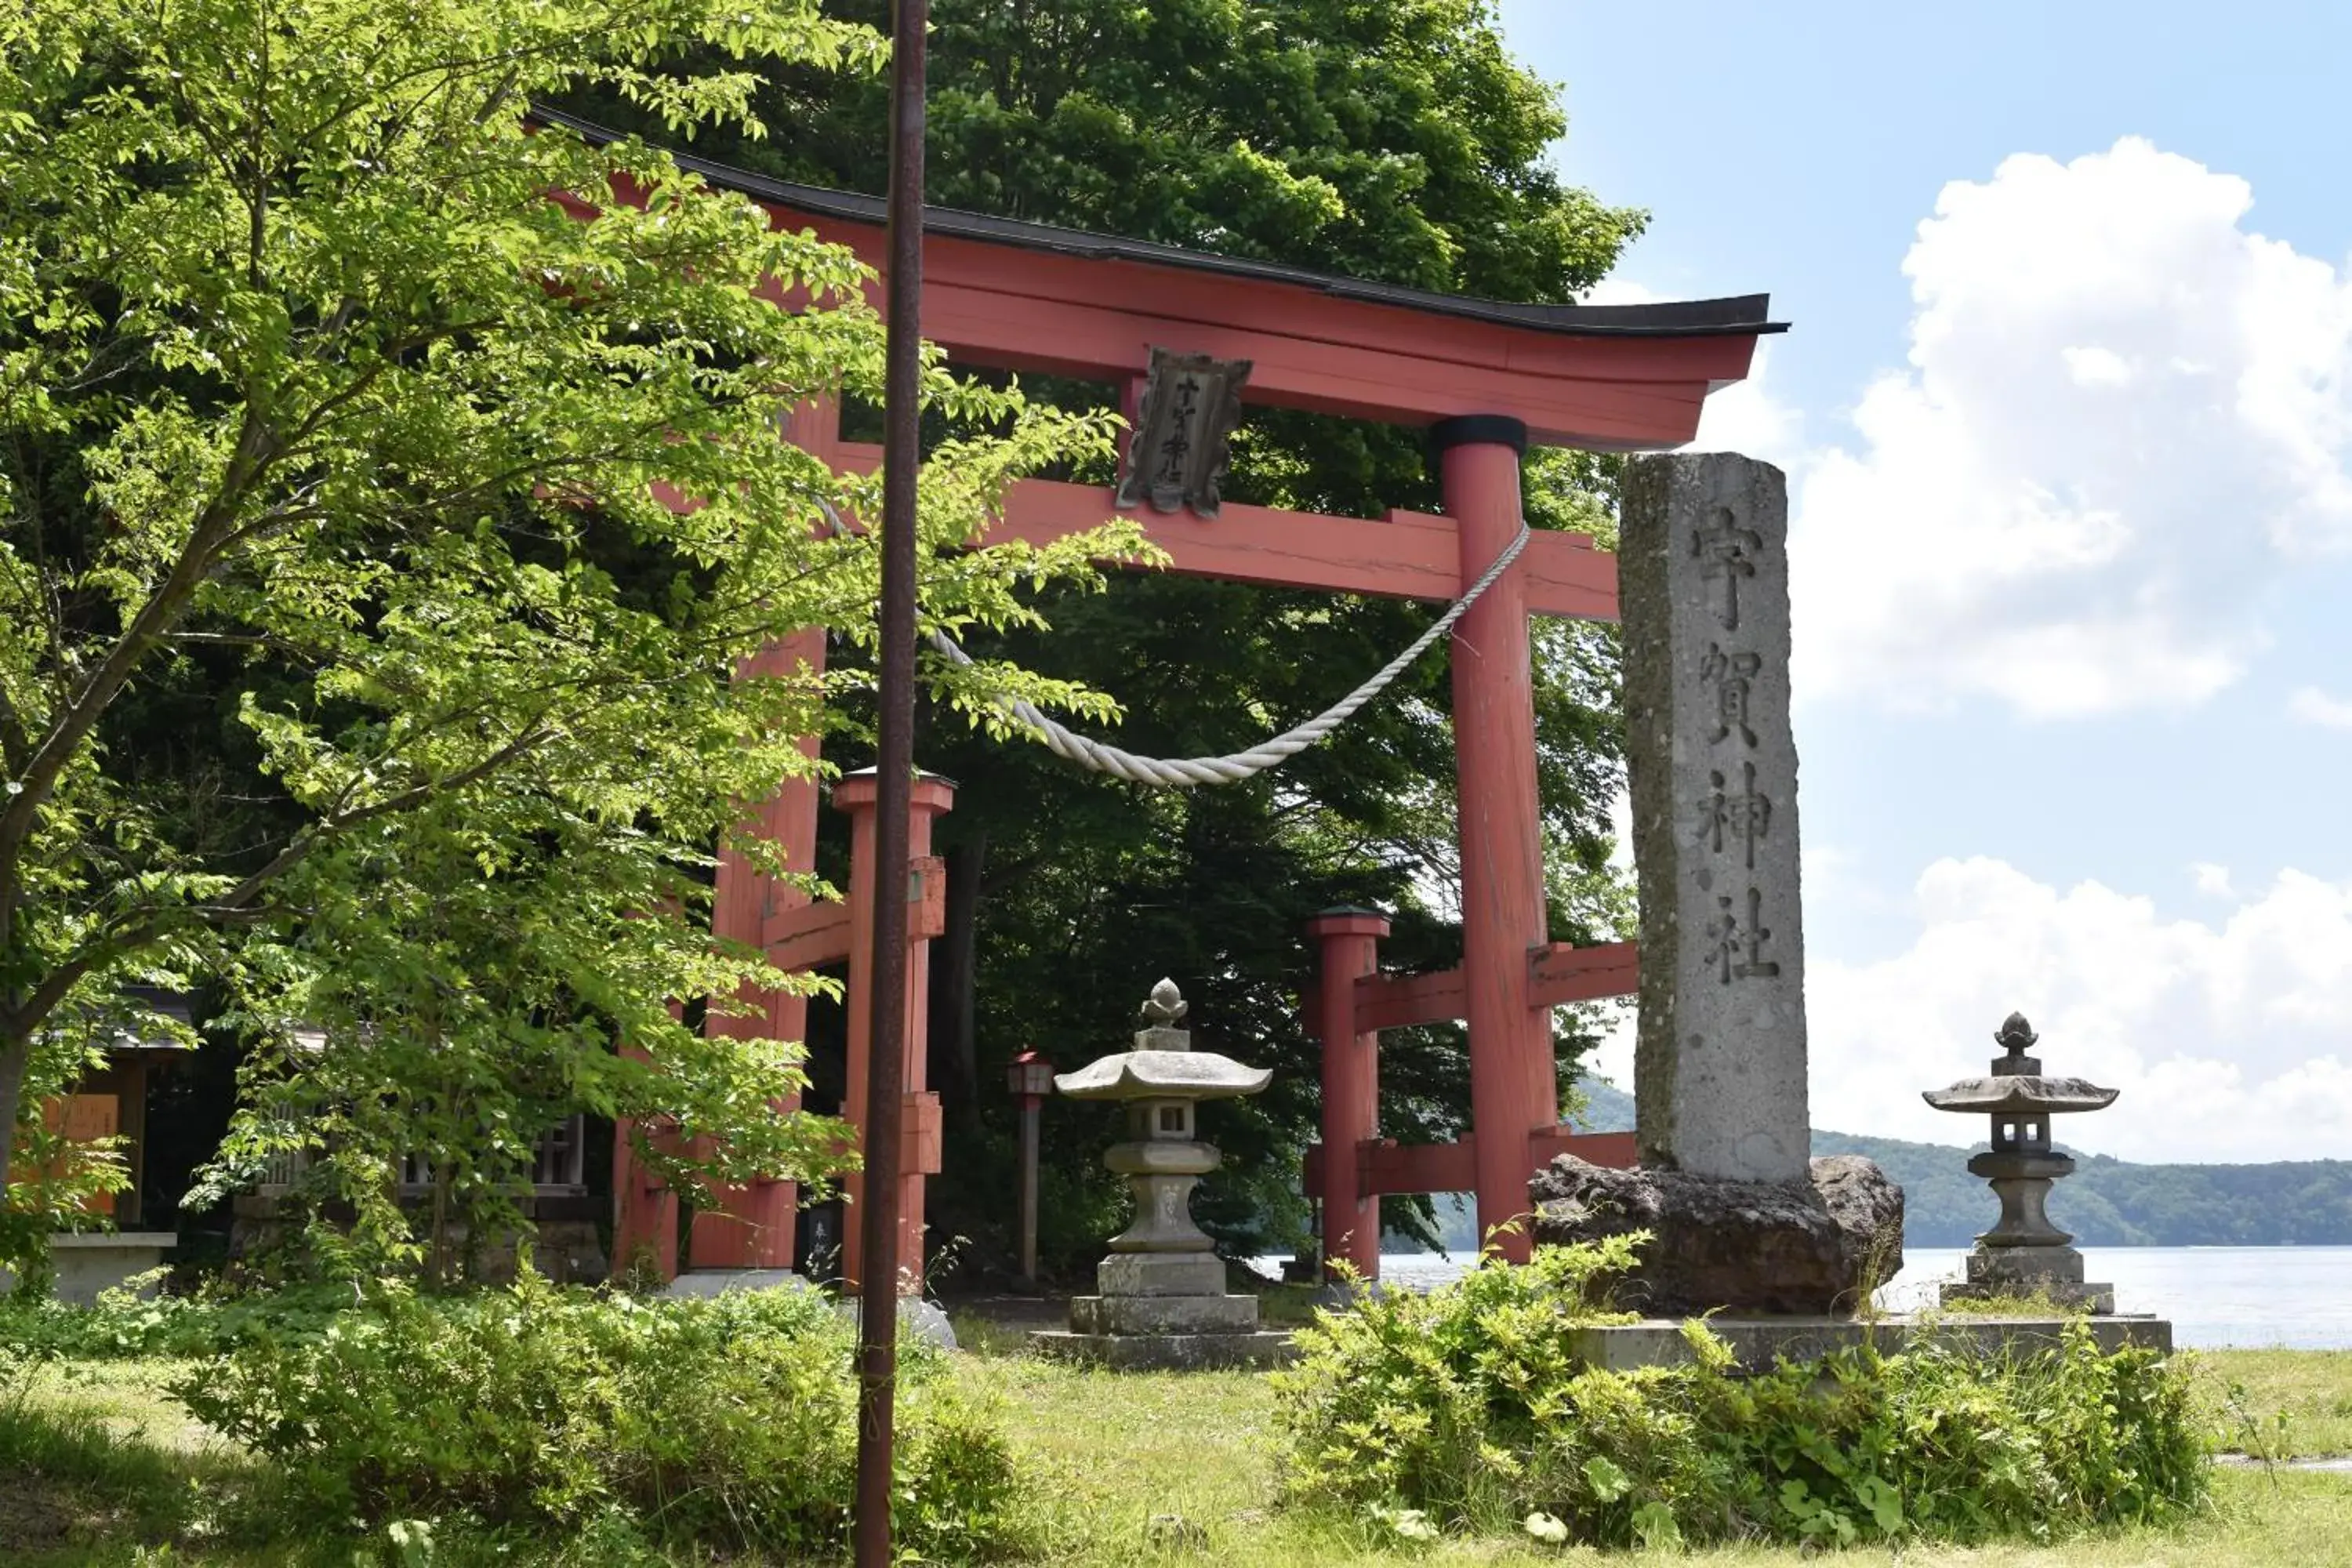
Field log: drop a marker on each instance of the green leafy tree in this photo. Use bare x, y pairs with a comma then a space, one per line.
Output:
351, 650
1394, 140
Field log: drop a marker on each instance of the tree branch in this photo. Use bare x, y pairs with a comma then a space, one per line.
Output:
237, 904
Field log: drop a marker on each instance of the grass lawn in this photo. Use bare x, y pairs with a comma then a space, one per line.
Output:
125, 1470
2313, 1389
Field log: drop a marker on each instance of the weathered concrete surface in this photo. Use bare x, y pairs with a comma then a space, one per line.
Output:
1167, 1353
1161, 1274
705, 1282
96, 1261
924, 1319
1750, 1247
1759, 1343
2055, 1272
1163, 1314
1719, 1064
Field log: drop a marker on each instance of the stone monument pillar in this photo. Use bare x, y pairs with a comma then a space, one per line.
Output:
1739, 1213
1720, 1056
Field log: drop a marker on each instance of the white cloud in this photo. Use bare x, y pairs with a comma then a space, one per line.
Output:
2212, 880
2230, 1040
2096, 366
2125, 415
2313, 706
1746, 417
1743, 416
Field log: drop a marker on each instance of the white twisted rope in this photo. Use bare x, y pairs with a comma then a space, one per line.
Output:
1185, 772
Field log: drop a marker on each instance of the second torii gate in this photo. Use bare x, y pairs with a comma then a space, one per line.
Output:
1485, 380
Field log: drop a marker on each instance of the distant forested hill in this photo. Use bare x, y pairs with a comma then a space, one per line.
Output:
2109, 1203
2106, 1203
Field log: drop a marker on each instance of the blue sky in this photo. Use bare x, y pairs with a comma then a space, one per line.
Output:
2067, 413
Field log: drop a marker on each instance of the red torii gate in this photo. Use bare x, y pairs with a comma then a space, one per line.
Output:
1485, 379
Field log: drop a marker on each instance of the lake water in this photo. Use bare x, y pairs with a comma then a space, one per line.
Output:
2217, 1297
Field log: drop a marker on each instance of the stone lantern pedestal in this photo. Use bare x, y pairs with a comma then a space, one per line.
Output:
1160, 1297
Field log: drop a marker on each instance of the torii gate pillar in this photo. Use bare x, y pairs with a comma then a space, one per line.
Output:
1350, 944
752, 1227
859, 795
1512, 1089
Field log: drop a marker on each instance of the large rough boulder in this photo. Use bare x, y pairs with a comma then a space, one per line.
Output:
1745, 1246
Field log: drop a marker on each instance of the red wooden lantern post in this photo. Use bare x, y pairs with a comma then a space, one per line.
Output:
1029, 1077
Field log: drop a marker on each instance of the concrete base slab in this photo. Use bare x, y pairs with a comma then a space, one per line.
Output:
703, 1282
1760, 1342
94, 1261
1161, 1274
1167, 1353
924, 1319
2053, 1271
1163, 1314
2090, 1298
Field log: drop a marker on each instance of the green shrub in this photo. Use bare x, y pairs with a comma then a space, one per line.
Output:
123, 1323
1466, 1407
730, 1421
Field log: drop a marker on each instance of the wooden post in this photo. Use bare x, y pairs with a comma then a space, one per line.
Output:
645, 1219
1031, 1107
858, 795
752, 1227
1511, 1089
1349, 943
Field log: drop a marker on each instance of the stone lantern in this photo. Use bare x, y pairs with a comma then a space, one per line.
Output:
2023, 1253
1162, 1300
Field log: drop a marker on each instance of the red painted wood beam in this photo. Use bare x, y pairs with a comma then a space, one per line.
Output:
1402, 1001
1098, 317
1406, 555
1555, 975
817, 934
1561, 973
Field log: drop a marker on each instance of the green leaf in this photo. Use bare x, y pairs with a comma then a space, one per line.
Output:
1607, 1481
1654, 1527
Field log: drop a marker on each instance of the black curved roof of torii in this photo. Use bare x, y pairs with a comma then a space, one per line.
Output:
1741, 315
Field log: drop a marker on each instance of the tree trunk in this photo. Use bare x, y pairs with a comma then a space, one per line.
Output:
16, 1061
955, 1049
436, 1267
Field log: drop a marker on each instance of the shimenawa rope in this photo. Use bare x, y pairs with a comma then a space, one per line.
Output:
1187, 771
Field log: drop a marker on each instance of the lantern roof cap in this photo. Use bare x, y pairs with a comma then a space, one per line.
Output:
1163, 1075
2011, 1094
1163, 1065
2017, 1085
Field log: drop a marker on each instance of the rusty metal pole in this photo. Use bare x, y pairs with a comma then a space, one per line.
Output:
894, 767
